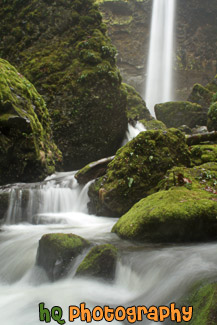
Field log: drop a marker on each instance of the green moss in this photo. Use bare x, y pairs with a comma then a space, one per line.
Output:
61, 244
203, 153
136, 107
136, 170
176, 215
204, 300
201, 95
202, 178
65, 52
25, 127
212, 117
57, 251
175, 114
99, 262
153, 124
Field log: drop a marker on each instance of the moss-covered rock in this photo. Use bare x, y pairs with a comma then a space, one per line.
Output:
212, 117
27, 150
201, 95
203, 300
57, 251
136, 170
202, 178
153, 124
93, 170
100, 262
176, 215
175, 114
63, 49
136, 106
203, 153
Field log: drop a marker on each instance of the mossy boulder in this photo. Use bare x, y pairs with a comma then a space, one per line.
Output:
203, 299
176, 215
27, 150
212, 117
57, 251
100, 262
62, 48
202, 96
203, 153
203, 178
136, 170
153, 124
175, 114
93, 170
136, 106
212, 85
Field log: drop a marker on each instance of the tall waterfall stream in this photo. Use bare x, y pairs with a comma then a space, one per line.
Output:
160, 58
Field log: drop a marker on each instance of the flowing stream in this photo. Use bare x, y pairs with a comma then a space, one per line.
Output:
146, 274
160, 58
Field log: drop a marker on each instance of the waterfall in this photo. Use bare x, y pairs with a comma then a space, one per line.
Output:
160, 58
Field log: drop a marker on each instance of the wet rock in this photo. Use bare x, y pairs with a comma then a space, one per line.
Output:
136, 170
203, 153
93, 170
175, 114
185, 129
201, 96
136, 106
27, 151
200, 130
57, 251
203, 300
100, 262
4, 202
63, 49
176, 215
212, 117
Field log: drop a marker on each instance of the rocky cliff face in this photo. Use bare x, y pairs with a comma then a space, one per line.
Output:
62, 48
196, 40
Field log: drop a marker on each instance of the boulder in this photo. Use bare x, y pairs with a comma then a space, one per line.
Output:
212, 117
136, 106
100, 262
153, 124
62, 47
203, 178
203, 153
176, 114
57, 251
176, 215
27, 150
203, 299
93, 170
136, 170
201, 95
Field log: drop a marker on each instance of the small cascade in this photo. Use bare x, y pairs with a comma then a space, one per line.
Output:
133, 131
58, 193
160, 58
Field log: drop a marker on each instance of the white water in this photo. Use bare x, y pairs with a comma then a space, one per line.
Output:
146, 274
133, 131
160, 58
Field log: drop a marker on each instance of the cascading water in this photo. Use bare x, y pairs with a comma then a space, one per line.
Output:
160, 58
146, 274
